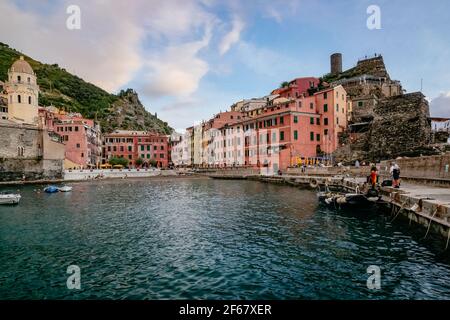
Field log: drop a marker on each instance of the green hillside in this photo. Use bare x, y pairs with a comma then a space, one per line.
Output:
71, 93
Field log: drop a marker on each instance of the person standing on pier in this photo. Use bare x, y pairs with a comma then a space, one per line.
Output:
395, 173
373, 176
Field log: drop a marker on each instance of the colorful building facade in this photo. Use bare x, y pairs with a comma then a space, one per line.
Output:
82, 137
286, 131
150, 147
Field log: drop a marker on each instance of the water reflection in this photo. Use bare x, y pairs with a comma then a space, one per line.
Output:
200, 238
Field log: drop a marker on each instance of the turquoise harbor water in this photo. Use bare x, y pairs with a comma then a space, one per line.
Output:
208, 239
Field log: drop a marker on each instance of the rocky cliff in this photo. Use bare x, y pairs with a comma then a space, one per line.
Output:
128, 113
401, 127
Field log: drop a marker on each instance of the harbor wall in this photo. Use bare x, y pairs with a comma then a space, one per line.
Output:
79, 175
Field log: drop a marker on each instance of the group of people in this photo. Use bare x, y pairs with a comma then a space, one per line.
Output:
394, 171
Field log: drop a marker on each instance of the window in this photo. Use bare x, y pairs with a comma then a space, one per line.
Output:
78, 145
299, 104
129, 156
281, 120
337, 107
318, 137
121, 148
295, 119
311, 120
161, 155
311, 136
325, 95
114, 148
130, 148
162, 147
19, 99
325, 132
155, 148
281, 135
274, 137
295, 135
311, 105
29, 99
29, 79
142, 156
360, 103
148, 155
318, 121
337, 120
148, 148
76, 129
109, 148
19, 79
82, 155
325, 107
325, 121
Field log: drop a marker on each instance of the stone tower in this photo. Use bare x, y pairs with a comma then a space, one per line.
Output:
22, 93
336, 63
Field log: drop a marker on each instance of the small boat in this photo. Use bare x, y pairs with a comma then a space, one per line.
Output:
65, 189
348, 200
9, 198
51, 189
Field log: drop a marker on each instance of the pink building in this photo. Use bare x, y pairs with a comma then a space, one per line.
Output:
81, 137
283, 133
297, 87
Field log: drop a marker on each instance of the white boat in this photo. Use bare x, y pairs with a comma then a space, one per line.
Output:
9, 198
65, 189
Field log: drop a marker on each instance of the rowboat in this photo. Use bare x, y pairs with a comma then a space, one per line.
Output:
65, 189
9, 198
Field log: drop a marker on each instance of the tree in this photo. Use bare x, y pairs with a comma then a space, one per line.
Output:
152, 163
139, 161
118, 161
284, 84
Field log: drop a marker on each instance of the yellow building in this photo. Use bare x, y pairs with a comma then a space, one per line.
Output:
22, 93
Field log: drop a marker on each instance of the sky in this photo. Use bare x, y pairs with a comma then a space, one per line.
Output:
190, 59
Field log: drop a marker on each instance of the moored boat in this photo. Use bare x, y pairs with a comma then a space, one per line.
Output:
51, 189
9, 198
348, 200
65, 189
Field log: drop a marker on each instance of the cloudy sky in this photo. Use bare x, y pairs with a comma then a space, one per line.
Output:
189, 59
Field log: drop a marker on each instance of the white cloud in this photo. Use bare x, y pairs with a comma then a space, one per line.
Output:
176, 71
110, 49
231, 37
278, 9
105, 51
440, 106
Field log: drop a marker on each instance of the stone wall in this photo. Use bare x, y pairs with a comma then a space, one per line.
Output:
21, 153
401, 127
430, 167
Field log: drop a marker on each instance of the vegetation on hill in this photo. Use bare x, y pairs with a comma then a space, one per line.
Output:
71, 93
